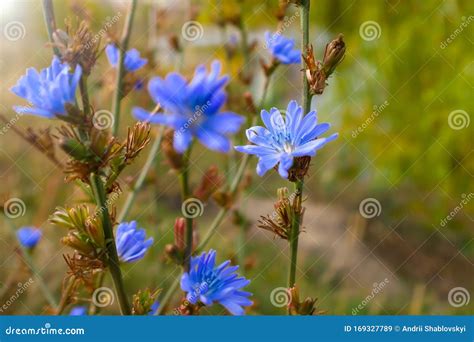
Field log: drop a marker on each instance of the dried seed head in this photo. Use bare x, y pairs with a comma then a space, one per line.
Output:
304, 308
79, 47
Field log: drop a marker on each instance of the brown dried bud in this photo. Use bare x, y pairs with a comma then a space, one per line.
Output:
304, 308
333, 55
187, 308
210, 182
180, 233
299, 169
316, 72
174, 159
174, 42
80, 47
286, 209
137, 138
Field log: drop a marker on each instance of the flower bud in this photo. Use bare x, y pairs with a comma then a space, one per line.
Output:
333, 55
180, 233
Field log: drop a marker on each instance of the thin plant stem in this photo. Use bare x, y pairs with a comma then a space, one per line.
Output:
112, 256
48, 11
65, 296
29, 262
141, 177
185, 193
123, 46
84, 95
94, 309
294, 234
299, 184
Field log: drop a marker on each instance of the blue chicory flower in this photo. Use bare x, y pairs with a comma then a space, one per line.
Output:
78, 311
208, 283
132, 61
48, 91
193, 109
154, 308
282, 48
131, 243
295, 135
28, 236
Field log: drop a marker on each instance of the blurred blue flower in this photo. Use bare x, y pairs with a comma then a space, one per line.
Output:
132, 61
28, 236
295, 135
154, 308
48, 91
208, 283
282, 48
78, 311
193, 108
131, 243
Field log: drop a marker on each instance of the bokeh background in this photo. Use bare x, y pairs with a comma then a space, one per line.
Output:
401, 101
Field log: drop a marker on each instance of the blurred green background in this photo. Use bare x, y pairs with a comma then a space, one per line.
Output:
401, 101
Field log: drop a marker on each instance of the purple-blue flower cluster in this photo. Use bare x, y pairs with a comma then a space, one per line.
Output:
28, 236
132, 61
48, 91
285, 138
193, 108
131, 242
207, 283
282, 48
78, 311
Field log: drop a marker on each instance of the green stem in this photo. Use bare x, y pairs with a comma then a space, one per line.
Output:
65, 296
141, 177
294, 234
29, 262
84, 95
112, 257
123, 46
304, 44
48, 11
299, 184
93, 309
185, 193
